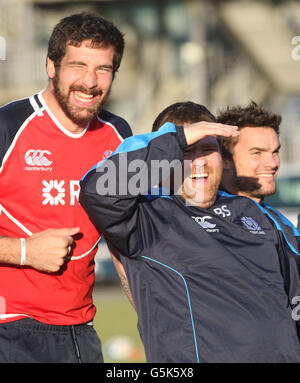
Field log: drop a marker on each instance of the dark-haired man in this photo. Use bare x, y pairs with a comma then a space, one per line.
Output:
251, 161
203, 268
47, 246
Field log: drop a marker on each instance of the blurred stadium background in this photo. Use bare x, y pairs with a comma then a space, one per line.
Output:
214, 52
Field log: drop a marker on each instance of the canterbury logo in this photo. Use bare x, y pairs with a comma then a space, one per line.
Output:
37, 157
202, 222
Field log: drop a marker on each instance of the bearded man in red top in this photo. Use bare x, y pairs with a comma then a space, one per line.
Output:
47, 245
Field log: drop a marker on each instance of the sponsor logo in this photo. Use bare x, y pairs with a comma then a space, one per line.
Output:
54, 192
106, 154
223, 211
38, 160
208, 226
252, 225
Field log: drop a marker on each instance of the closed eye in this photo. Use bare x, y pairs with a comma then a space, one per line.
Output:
105, 69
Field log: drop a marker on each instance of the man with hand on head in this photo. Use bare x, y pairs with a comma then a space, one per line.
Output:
47, 246
204, 277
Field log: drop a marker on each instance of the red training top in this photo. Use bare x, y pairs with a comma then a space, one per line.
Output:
41, 166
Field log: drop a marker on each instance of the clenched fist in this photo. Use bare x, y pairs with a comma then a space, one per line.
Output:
47, 250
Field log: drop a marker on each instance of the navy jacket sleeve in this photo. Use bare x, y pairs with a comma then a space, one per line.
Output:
108, 192
288, 250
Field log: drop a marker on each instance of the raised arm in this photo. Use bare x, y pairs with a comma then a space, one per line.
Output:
109, 193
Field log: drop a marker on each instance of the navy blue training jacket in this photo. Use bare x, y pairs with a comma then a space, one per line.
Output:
209, 285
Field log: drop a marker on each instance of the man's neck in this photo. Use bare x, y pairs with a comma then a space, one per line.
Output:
59, 114
242, 194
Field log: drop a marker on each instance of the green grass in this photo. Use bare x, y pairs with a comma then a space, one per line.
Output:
116, 317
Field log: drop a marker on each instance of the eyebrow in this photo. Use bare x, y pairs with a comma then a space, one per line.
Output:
77, 63
264, 149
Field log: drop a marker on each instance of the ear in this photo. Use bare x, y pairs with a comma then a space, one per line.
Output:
50, 68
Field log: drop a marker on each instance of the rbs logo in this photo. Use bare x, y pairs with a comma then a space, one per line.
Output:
54, 192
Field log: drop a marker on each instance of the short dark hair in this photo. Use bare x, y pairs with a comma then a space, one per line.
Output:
252, 115
183, 113
85, 26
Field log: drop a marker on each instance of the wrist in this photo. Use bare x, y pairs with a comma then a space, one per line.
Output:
23, 251
181, 137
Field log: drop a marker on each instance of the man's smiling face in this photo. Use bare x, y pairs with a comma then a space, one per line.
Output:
83, 80
255, 163
203, 173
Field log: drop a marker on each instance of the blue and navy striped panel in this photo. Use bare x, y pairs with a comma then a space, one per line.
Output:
222, 193
137, 142
159, 192
278, 226
188, 301
284, 220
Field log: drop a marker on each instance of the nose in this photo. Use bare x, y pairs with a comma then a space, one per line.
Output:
199, 160
272, 161
198, 164
90, 79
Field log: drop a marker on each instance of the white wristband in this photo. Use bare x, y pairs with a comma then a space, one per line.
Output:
23, 251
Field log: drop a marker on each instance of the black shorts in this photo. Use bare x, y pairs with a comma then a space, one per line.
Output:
30, 341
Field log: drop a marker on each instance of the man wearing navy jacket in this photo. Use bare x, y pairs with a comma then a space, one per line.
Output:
203, 267
251, 160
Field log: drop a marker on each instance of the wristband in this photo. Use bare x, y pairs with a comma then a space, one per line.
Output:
23, 251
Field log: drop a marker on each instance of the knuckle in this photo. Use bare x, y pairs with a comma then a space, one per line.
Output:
64, 242
62, 254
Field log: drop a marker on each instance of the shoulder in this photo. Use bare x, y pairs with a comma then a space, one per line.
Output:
12, 117
15, 113
118, 123
284, 221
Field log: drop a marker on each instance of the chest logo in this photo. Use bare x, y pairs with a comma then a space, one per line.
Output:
54, 192
38, 160
106, 154
37, 157
252, 225
208, 226
60, 192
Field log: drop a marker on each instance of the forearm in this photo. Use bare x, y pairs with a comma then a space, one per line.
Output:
10, 250
121, 273
137, 161
114, 212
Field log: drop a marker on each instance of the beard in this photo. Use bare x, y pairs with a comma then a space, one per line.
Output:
78, 115
204, 197
253, 187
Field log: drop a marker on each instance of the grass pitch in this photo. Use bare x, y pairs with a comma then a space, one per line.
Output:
116, 325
